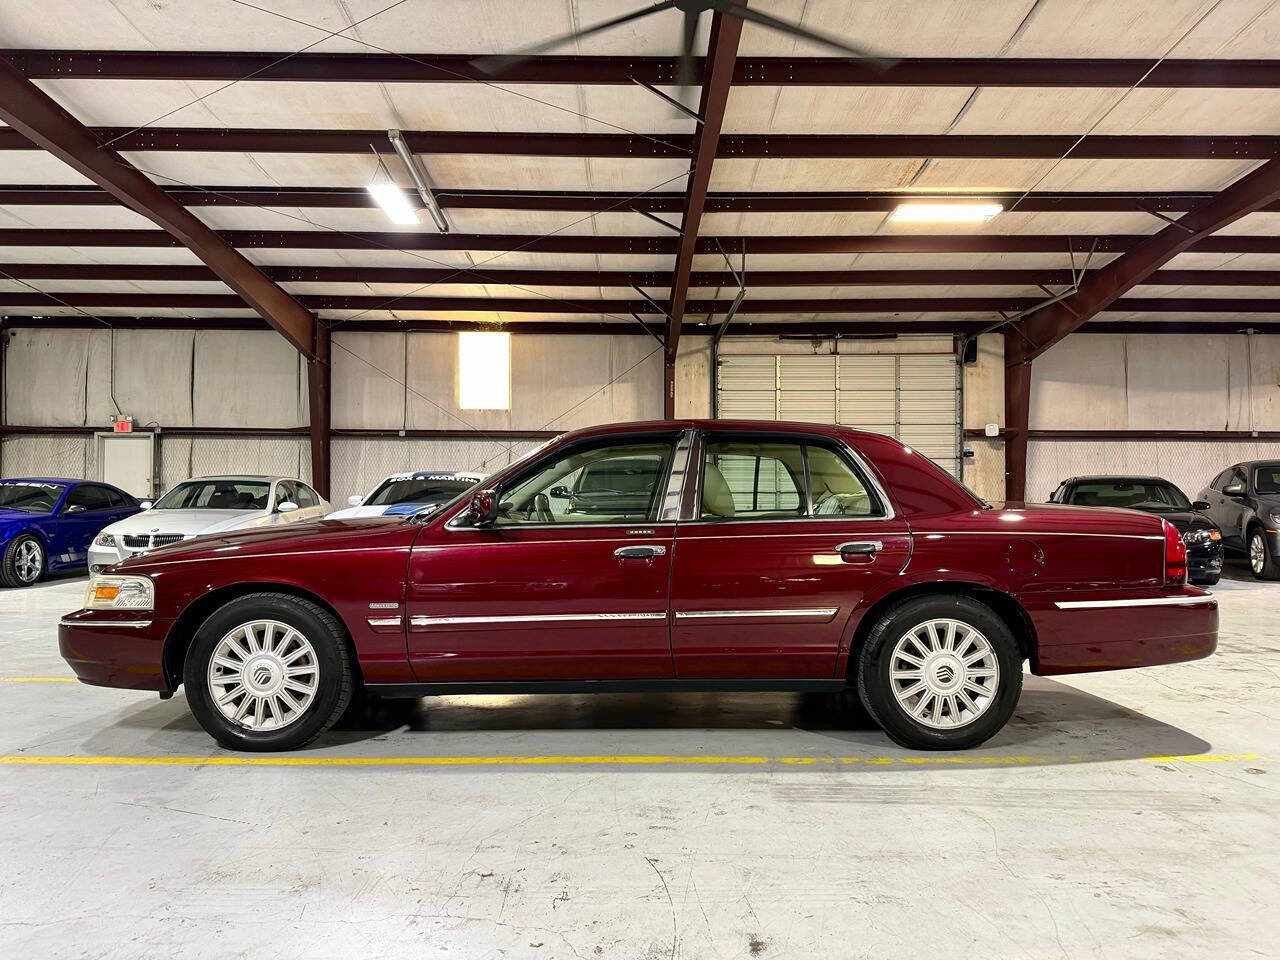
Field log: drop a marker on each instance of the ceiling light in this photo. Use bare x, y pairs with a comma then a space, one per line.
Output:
393, 202
946, 212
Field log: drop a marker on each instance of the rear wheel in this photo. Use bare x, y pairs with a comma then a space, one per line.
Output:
940, 673
268, 672
23, 562
1261, 562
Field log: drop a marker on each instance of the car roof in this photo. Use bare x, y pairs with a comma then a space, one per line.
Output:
50, 480
719, 426
1118, 478
237, 476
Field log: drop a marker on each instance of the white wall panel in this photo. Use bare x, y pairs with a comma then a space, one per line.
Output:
368, 380
248, 379
44, 383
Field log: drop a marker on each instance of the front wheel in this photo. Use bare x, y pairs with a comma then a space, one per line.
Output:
1261, 562
23, 562
940, 673
268, 671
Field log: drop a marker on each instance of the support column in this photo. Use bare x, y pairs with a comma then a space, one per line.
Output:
668, 386
318, 395
1017, 415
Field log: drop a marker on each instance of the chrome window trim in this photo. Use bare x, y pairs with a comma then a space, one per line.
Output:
866, 474
677, 477
828, 612
119, 624
1135, 602
425, 621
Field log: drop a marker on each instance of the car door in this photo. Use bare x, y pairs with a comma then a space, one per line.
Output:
310, 505
1230, 513
86, 510
781, 541
555, 589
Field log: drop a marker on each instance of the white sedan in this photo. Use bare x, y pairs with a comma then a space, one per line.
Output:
406, 493
205, 505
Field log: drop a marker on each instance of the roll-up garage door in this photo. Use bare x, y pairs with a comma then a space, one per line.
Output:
911, 396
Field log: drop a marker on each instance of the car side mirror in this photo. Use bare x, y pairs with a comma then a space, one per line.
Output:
1235, 489
355, 499
1200, 504
287, 507
146, 505
75, 508
560, 493
482, 511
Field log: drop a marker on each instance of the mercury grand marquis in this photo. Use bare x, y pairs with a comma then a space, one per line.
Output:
710, 555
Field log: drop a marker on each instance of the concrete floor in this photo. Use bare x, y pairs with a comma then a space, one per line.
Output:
1131, 814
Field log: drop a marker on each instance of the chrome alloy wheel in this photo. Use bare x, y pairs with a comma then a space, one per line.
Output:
263, 675
944, 673
1257, 554
28, 561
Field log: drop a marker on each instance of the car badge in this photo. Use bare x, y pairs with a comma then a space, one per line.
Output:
155, 529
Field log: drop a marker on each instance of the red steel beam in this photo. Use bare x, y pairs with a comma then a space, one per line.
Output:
626, 278
621, 308
678, 145
592, 201
759, 71
658, 245
717, 77
320, 410
37, 119
1104, 287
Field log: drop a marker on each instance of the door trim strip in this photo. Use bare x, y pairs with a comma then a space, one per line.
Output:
827, 612
107, 624
424, 621
1136, 602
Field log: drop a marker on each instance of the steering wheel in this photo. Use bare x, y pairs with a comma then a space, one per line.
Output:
542, 504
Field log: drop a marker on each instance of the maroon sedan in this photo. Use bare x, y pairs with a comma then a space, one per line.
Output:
709, 555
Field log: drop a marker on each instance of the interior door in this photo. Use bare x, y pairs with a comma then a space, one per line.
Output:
788, 537
569, 583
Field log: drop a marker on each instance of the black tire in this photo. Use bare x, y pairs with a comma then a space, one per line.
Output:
1269, 568
874, 662
10, 573
328, 638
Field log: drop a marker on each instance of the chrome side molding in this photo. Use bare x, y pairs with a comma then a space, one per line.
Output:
424, 621
1136, 602
826, 612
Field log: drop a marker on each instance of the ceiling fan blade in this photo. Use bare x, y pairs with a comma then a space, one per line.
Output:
499, 62
686, 72
743, 12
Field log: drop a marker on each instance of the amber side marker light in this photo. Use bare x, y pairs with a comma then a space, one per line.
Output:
106, 592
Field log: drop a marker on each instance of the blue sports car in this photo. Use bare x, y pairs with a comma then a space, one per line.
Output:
47, 523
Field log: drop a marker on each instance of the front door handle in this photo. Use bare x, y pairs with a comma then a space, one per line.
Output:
640, 551
860, 548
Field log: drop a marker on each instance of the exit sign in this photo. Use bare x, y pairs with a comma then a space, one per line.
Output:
122, 424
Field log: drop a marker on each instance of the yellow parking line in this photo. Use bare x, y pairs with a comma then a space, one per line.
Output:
38, 680
604, 760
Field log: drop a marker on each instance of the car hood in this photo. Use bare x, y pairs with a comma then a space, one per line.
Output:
1184, 520
311, 536
181, 521
8, 516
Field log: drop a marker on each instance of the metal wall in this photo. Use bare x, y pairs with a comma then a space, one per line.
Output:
1152, 382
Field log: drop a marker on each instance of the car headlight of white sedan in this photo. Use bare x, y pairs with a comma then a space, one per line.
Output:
112, 592
104, 540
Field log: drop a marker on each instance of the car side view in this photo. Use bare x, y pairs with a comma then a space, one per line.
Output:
1244, 501
714, 555
47, 524
1164, 499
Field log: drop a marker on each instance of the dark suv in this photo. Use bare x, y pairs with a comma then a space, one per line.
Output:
1158, 496
1244, 501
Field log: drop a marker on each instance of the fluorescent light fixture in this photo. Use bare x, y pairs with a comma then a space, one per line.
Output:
945, 212
393, 202
484, 371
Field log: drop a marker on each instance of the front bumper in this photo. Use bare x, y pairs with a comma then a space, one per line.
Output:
115, 648
1204, 561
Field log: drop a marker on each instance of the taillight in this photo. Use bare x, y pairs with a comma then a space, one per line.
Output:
1175, 556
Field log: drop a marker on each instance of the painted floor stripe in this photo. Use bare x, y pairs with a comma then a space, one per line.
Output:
38, 680
607, 760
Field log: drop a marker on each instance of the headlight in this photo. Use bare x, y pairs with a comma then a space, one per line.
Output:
120, 593
104, 540
1201, 535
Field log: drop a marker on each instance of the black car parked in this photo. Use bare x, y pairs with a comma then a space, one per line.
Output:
1155, 495
1244, 501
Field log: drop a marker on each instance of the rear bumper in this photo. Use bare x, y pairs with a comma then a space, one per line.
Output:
110, 650
1079, 634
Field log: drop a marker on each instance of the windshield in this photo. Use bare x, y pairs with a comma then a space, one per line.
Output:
30, 496
425, 490
1136, 495
216, 495
1266, 479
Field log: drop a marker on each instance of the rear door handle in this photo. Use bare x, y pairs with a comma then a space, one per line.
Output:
860, 548
640, 551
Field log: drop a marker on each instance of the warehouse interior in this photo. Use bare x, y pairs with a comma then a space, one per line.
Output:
190, 251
